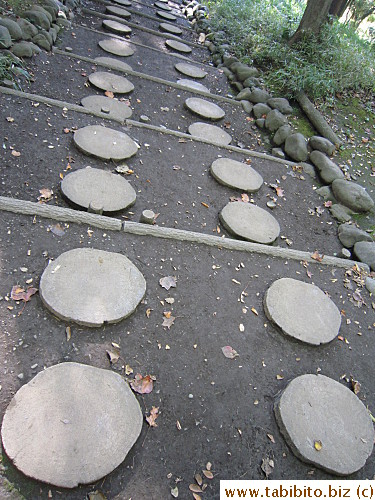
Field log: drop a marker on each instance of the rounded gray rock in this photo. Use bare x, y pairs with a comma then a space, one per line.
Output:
315, 411
322, 144
116, 27
349, 235
13, 28
302, 311
169, 28
104, 143
250, 222
282, 133
116, 47
328, 170
190, 70
178, 46
365, 252
109, 81
281, 104
115, 109
210, 133
275, 120
22, 49
114, 63
296, 147
94, 187
236, 175
166, 15
204, 109
191, 84
71, 424
261, 110
92, 287
118, 11
5, 38
258, 95
352, 195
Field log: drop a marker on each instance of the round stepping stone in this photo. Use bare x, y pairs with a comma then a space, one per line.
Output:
110, 81
118, 11
205, 109
236, 175
115, 109
71, 424
250, 222
162, 6
92, 187
124, 3
178, 46
210, 132
166, 15
116, 27
116, 47
114, 63
92, 287
302, 311
104, 143
325, 424
190, 70
191, 84
169, 28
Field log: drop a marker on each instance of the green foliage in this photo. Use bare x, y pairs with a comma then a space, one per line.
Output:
12, 68
258, 31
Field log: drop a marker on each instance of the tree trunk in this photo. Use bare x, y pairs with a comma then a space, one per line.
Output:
338, 7
315, 15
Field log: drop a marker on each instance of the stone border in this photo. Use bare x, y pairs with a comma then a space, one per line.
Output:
69, 215
59, 104
151, 78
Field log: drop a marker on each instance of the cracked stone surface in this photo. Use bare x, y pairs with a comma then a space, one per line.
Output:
325, 424
104, 143
98, 188
302, 311
71, 424
250, 222
92, 287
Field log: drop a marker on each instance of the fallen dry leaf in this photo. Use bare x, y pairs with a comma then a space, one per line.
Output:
15, 153
45, 194
10, 119
68, 332
318, 445
168, 322
168, 282
109, 94
208, 474
174, 492
271, 438
196, 496
205, 204
142, 385
267, 466
57, 229
245, 198
253, 310
356, 386
66, 130
198, 479
208, 465
128, 370
317, 257
279, 192
113, 357
96, 495
154, 413
195, 488
18, 293
229, 352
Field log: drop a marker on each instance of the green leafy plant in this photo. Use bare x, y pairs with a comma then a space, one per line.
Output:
13, 69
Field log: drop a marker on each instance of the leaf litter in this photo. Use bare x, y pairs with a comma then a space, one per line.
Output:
229, 352
154, 413
143, 385
168, 282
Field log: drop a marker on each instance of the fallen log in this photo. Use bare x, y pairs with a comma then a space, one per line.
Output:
317, 119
